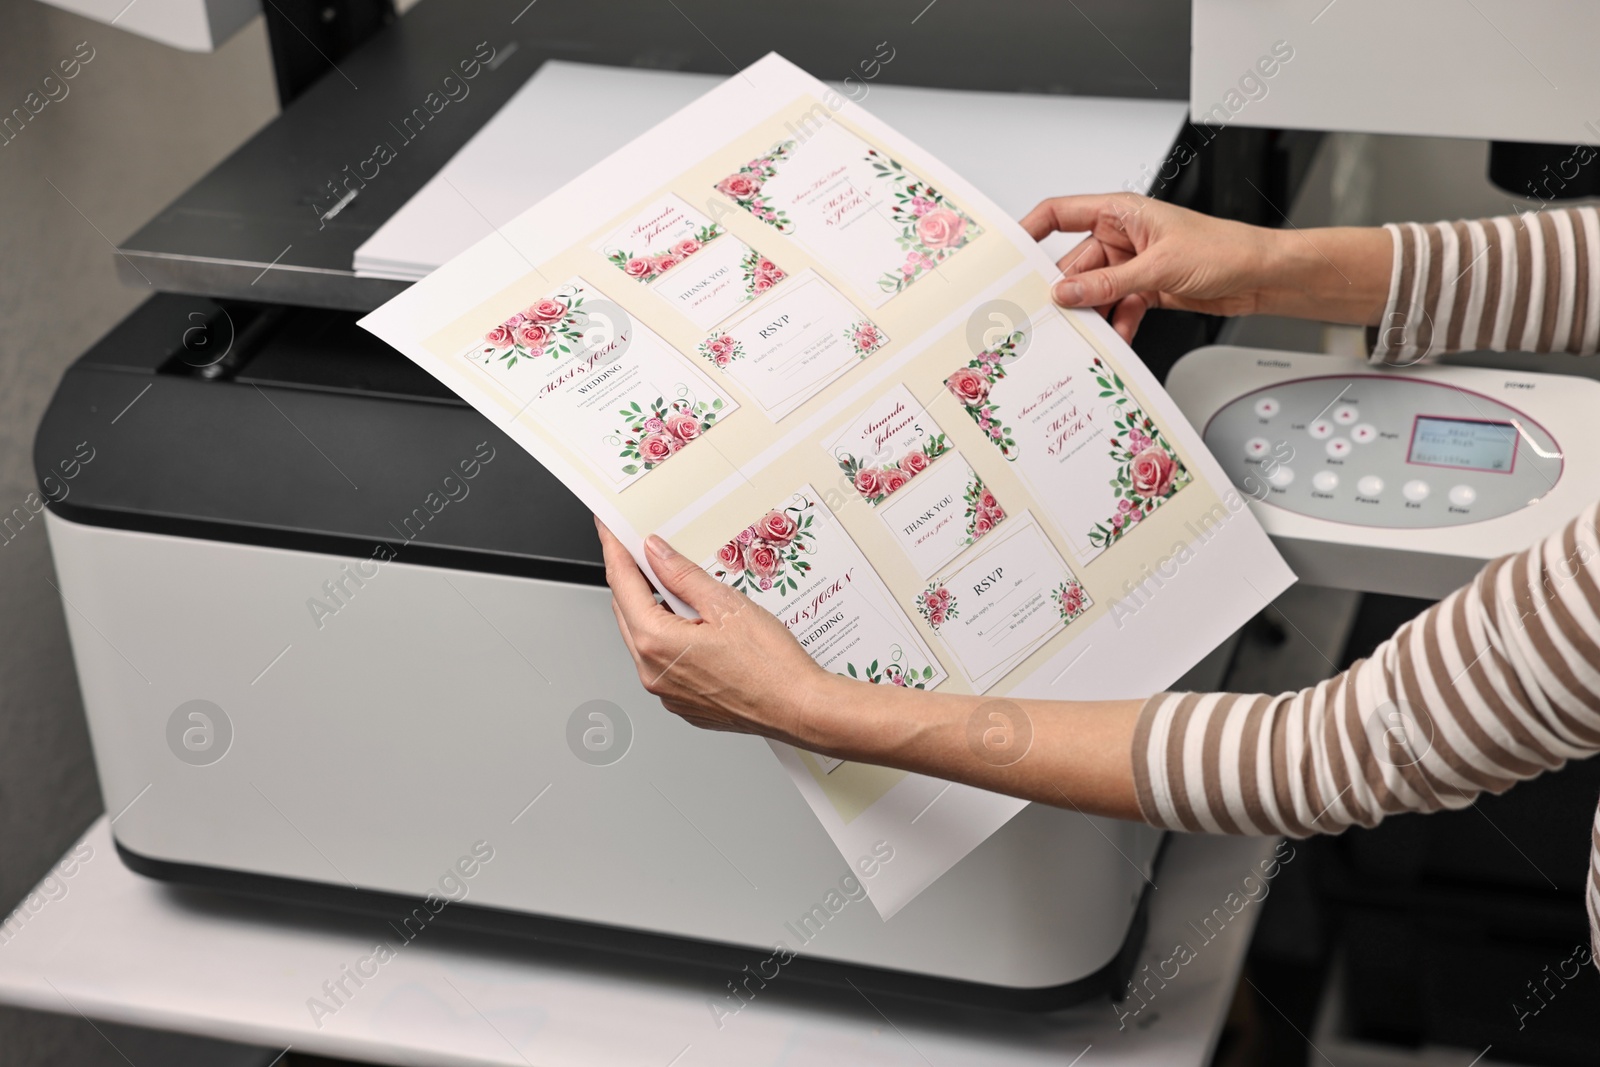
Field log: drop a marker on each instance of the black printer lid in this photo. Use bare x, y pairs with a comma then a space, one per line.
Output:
308, 434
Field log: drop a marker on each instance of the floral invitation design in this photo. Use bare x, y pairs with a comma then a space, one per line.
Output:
623, 398
788, 347
852, 206
1049, 403
887, 445
1002, 603
690, 261
796, 561
1148, 470
940, 515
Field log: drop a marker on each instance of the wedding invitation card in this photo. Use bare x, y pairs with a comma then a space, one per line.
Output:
766, 331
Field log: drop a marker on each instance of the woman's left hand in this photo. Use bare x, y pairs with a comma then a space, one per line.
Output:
734, 668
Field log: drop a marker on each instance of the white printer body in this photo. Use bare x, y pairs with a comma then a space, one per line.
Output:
372, 684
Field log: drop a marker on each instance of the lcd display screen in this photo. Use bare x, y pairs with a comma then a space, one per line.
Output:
1469, 444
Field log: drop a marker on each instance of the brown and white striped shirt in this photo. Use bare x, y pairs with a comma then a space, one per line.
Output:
1498, 682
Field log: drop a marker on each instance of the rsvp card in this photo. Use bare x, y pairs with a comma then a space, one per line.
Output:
1008, 599
790, 346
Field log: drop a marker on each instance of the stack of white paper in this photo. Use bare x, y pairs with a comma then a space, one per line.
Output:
1016, 148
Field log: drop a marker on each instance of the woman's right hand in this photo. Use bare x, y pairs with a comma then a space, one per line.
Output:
1143, 253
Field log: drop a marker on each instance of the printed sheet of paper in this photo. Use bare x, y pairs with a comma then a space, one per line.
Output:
807, 353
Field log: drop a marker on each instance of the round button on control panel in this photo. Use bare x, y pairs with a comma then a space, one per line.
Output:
1384, 451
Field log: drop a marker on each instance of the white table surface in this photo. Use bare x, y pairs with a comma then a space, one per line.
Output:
119, 947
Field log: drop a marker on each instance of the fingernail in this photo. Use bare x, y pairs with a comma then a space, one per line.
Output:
1068, 294
659, 547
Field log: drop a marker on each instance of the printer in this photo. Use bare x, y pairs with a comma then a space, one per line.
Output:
341, 642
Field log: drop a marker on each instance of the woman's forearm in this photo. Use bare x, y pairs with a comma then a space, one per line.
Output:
1335, 274
1074, 754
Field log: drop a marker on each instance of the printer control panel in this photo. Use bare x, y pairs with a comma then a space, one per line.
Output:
1383, 450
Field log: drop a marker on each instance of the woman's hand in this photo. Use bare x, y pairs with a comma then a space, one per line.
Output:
734, 668
1142, 254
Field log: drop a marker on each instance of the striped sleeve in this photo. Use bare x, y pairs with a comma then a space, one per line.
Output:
1497, 683
1524, 283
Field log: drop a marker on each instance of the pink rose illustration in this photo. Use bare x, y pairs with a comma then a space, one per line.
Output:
941, 228
721, 360
656, 448
1138, 442
764, 562
666, 261
1072, 600
639, 268
987, 501
686, 247
921, 205
547, 311
766, 266
914, 463
731, 556
533, 335
969, 386
739, 186
746, 535
778, 527
982, 524
654, 425
1152, 472
914, 262
936, 618
762, 283
500, 336
721, 345
869, 481
894, 478
867, 336
684, 426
